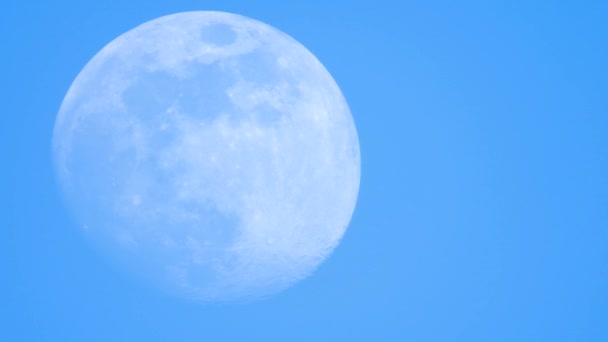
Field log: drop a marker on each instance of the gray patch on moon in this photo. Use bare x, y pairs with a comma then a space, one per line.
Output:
218, 34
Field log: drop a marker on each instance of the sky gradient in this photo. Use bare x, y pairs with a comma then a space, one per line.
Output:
481, 215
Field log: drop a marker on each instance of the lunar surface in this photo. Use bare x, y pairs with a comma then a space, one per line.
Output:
210, 154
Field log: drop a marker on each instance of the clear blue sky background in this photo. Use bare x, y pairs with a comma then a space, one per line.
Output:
482, 214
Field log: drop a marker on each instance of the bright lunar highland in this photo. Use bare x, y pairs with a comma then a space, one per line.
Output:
210, 154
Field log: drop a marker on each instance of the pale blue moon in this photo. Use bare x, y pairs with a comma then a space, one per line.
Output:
209, 154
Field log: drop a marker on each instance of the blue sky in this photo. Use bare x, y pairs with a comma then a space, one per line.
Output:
482, 209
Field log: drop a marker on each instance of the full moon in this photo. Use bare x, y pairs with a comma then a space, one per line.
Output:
209, 154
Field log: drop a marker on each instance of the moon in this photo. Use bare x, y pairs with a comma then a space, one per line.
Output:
209, 154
